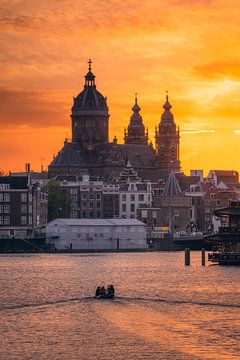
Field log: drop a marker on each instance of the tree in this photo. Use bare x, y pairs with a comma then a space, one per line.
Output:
59, 203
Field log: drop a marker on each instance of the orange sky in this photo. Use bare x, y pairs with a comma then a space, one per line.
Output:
188, 47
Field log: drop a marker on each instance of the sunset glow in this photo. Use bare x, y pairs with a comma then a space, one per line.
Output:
188, 47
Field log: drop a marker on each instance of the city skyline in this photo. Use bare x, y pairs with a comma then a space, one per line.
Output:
176, 46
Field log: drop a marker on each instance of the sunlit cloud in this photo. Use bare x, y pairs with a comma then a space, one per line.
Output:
191, 132
188, 47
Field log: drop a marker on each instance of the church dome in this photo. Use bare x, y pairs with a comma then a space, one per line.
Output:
89, 99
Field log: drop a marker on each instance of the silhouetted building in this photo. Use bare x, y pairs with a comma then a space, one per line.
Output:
90, 151
136, 133
167, 141
23, 206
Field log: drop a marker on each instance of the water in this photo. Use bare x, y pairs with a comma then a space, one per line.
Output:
163, 310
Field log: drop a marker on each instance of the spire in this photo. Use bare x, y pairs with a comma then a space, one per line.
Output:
90, 77
136, 108
89, 65
167, 106
135, 133
172, 187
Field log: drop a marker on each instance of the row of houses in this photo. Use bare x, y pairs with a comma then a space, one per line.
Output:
179, 203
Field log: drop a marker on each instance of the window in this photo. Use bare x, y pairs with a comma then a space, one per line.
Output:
1, 208
132, 197
23, 209
98, 196
6, 220
73, 191
176, 212
84, 196
91, 214
91, 196
30, 220
140, 197
74, 206
7, 209
91, 205
74, 214
154, 214
98, 205
1, 196
123, 207
30, 197
23, 197
132, 207
30, 209
132, 186
1, 220
124, 197
84, 205
84, 214
98, 214
144, 214
74, 198
4, 186
23, 220
6, 197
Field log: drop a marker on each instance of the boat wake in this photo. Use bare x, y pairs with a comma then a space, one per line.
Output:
116, 300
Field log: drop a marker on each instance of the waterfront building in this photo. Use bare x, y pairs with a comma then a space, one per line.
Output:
133, 193
23, 206
90, 197
206, 198
96, 234
90, 151
226, 241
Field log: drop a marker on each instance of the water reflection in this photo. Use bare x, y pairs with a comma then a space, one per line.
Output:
163, 310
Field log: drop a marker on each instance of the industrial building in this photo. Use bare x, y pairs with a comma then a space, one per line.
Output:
96, 234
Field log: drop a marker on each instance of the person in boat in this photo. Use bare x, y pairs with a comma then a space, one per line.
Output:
110, 291
97, 291
102, 290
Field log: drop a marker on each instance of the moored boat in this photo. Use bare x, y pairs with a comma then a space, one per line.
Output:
226, 242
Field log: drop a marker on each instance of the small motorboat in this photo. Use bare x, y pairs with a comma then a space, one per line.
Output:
105, 297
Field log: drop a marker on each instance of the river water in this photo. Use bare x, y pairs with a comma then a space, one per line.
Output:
163, 310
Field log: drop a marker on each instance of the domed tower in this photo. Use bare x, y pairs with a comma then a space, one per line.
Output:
136, 133
89, 115
167, 141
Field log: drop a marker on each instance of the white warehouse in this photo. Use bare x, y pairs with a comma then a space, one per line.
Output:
96, 234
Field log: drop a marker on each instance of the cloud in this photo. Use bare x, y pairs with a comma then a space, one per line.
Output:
228, 68
25, 108
197, 131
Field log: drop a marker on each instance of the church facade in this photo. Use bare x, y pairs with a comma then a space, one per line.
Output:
90, 151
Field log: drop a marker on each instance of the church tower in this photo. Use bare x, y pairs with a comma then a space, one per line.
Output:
167, 141
89, 115
136, 133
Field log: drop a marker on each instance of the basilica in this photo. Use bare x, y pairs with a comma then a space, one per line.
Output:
90, 151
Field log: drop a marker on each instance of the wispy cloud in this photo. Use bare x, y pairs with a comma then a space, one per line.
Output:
196, 131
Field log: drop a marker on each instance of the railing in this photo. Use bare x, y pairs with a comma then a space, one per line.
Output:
223, 256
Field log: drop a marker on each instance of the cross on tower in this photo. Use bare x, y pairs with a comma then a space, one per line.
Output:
89, 64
